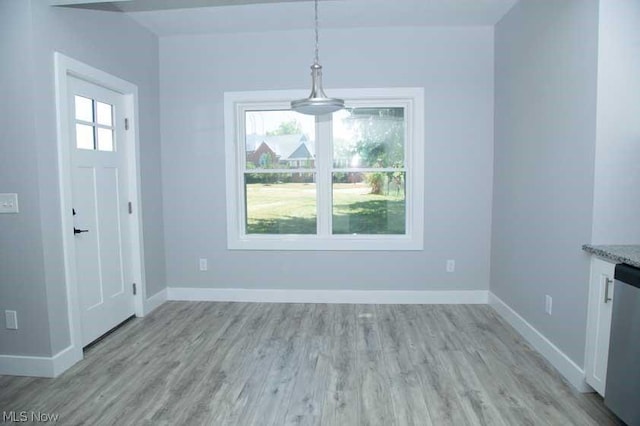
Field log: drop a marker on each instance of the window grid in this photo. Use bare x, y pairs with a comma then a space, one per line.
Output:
96, 126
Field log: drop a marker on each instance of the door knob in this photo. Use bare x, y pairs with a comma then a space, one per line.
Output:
79, 231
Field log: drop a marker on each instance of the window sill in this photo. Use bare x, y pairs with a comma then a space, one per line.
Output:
334, 243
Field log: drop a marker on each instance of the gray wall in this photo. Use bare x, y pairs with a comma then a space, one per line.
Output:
545, 112
22, 284
115, 44
616, 197
454, 65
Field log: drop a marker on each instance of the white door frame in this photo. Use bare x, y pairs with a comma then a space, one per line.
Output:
64, 68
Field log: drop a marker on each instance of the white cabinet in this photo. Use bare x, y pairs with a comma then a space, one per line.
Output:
599, 323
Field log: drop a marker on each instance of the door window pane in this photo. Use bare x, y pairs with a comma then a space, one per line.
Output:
84, 137
104, 114
279, 140
84, 109
369, 203
280, 203
105, 139
368, 137
98, 132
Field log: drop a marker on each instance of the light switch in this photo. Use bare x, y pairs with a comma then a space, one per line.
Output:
8, 203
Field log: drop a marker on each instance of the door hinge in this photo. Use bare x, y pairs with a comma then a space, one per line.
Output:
130, 208
126, 124
135, 290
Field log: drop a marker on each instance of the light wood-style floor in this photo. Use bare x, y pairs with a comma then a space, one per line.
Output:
279, 364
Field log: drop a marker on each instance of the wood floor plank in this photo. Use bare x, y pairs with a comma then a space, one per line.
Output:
204, 376
280, 378
307, 399
202, 363
247, 368
439, 388
341, 405
474, 400
376, 406
406, 385
505, 391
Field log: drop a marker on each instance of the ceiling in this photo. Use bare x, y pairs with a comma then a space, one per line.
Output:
173, 17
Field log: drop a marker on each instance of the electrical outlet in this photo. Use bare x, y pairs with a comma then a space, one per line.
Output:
11, 320
451, 265
548, 304
204, 265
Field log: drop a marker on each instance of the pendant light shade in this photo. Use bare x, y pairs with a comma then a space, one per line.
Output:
317, 103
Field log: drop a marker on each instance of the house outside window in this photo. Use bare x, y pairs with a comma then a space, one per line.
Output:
351, 180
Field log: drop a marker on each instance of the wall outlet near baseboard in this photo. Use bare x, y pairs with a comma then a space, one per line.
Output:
204, 265
11, 320
451, 265
548, 304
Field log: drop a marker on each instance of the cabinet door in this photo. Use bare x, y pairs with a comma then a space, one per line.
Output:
599, 323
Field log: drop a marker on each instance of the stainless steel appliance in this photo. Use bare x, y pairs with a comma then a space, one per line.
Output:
622, 394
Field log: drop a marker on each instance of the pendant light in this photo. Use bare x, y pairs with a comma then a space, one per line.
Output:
317, 103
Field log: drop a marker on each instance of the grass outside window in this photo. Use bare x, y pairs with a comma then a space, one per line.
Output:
290, 208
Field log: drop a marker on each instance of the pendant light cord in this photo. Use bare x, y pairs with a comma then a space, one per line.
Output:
316, 23
318, 103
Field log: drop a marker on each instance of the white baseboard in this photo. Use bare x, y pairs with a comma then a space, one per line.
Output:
573, 373
154, 301
65, 359
36, 366
329, 296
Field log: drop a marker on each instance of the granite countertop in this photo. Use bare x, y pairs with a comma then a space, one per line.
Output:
629, 254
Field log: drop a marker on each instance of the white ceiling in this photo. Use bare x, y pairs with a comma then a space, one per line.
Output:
172, 17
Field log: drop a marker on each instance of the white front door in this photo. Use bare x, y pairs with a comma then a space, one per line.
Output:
100, 208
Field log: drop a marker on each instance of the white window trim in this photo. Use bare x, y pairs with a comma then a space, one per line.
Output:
236, 102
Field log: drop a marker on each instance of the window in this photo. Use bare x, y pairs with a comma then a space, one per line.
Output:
94, 124
352, 180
